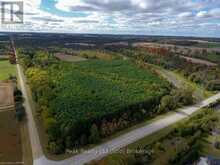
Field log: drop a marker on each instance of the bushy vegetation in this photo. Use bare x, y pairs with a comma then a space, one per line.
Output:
176, 99
19, 108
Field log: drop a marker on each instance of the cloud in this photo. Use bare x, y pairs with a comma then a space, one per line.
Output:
47, 19
214, 13
126, 5
168, 17
203, 14
185, 15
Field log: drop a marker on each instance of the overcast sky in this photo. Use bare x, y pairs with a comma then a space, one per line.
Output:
150, 17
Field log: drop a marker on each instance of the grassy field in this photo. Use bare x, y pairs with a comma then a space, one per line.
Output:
6, 69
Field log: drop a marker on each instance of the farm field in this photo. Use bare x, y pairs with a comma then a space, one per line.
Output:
10, 150
6, 69
6, 95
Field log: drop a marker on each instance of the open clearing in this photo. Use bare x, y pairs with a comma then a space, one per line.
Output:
6, 95
6, 69
69, 58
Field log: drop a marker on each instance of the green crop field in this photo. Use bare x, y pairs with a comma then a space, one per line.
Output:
6, 69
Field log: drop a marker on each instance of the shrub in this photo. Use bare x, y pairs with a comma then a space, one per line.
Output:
55, 147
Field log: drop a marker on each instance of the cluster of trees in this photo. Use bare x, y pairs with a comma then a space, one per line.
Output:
18, 99
12, 58
19, 108
177, 99
192, 131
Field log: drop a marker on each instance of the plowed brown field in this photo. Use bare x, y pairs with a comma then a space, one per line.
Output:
6, 94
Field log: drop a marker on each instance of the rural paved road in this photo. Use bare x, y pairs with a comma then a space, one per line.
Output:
105, 148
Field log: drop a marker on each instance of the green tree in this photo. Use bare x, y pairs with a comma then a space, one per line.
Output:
183, 96
167, 104
41, 59
39, 82
20, 112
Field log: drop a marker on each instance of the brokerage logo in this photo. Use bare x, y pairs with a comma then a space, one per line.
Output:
12, 12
